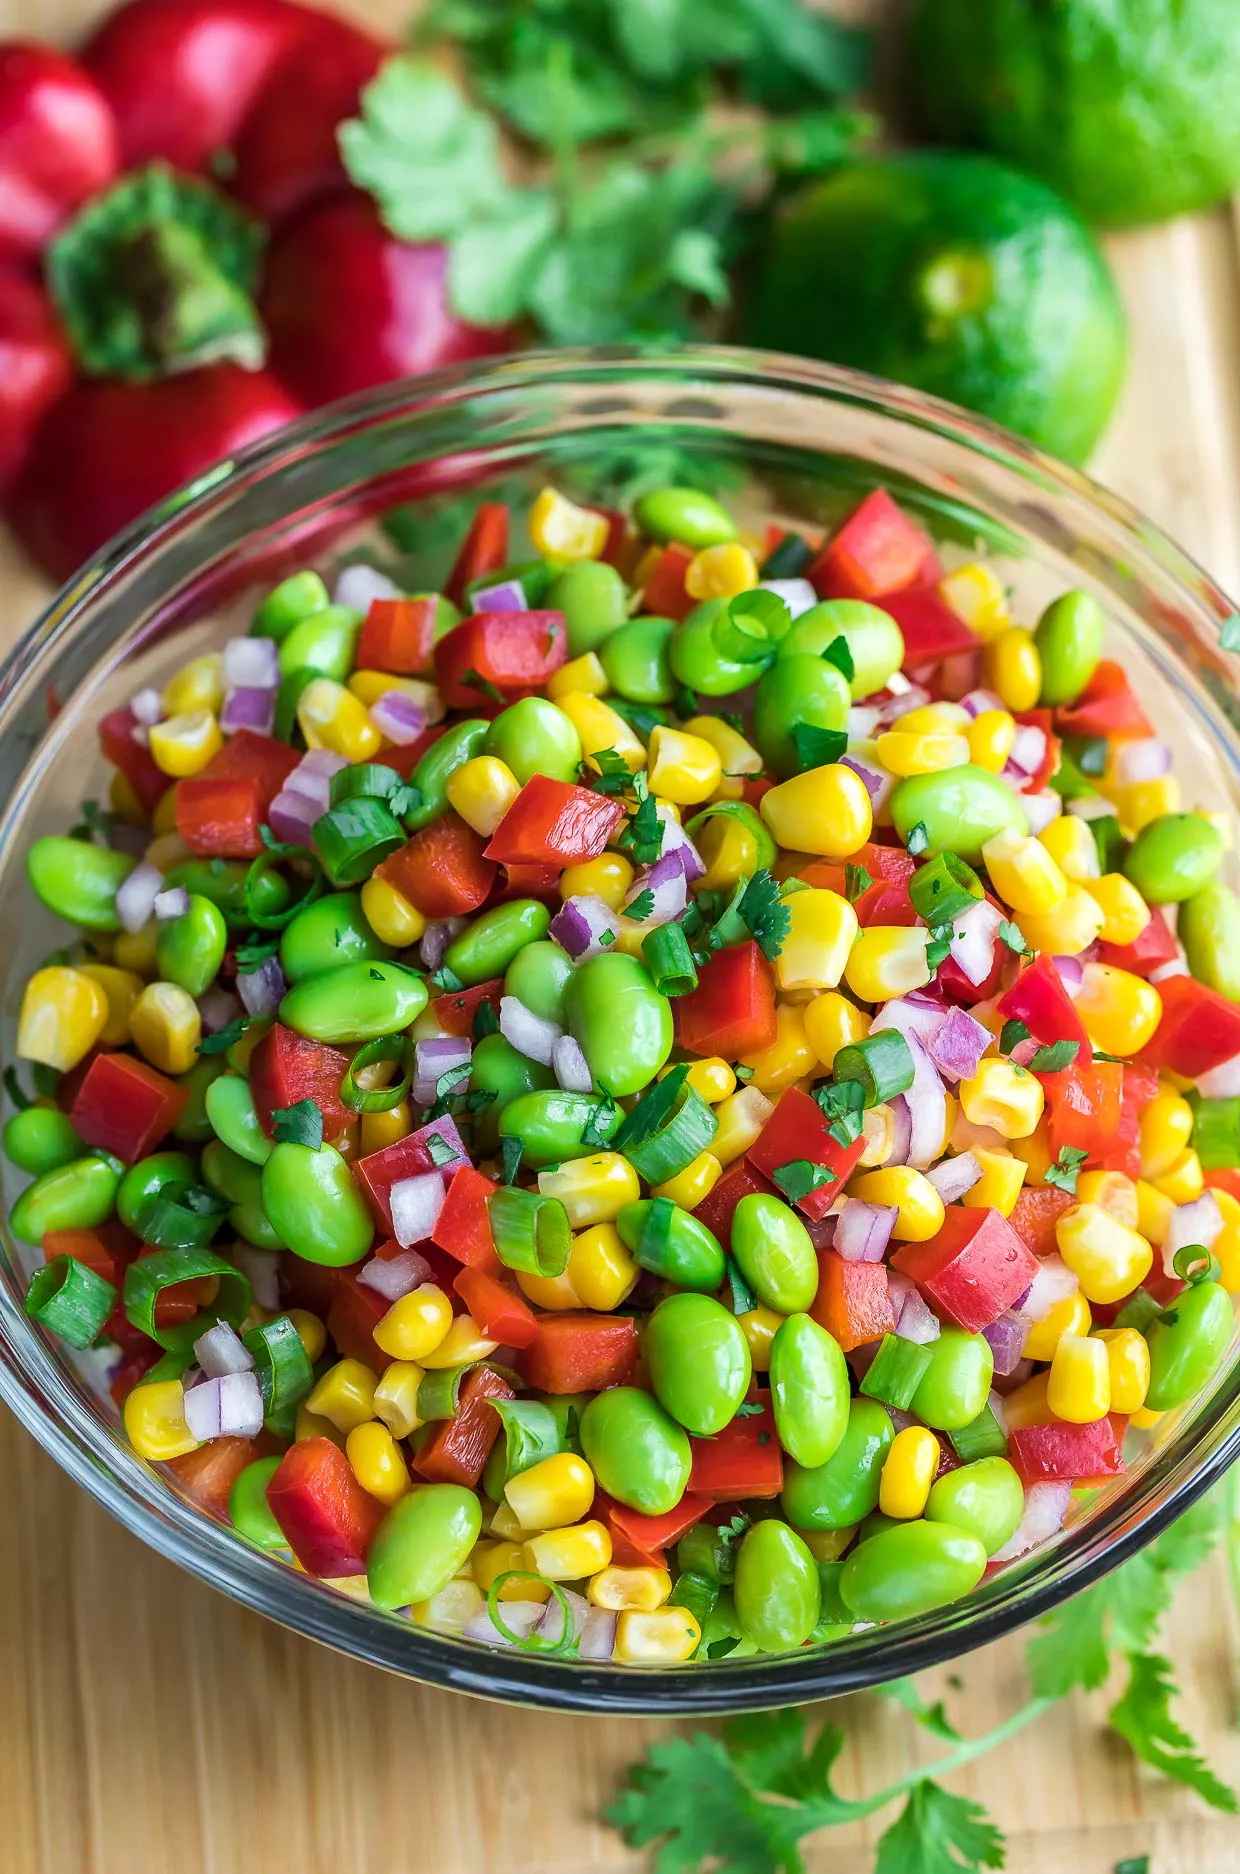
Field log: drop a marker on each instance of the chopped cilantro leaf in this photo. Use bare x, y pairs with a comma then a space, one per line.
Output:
298, 1124
1053, 1059
601, 1116
483, 685
1012, 1033
606, 771
442, 1152
642, 838
486, 1021
510, 1154
404, 799
223, 1038
857, 882
376, 976
254, 952
448, 1082
1063, 1172
939, 947
749, 1409
842, 1102
1010, 934
799, 1177
918, 839
641, 906
838, 653
445, 980
815, 747
765, 914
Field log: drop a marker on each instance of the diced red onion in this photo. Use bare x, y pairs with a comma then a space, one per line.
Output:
436, 938
1007, 1337
797, 594
262, 1267
251, 664
675, 839
1090, 807
898, 702
998, 1406
147, 708
174, 902
952, 1177
292, 815
1221, 1082
398, 717
901, 1131
445, 1130
1046, 1505
1041, 810
357, 587
580, 925
877, 782
915, 1320
863, 1231
1071, 973
249, 708
1008, 1382
125, 837
507, 595
1144, 759
520, 1617
666, 879
572, 1070
981, 702
416, 1203
862, 722
1177, 967
958, 1044
262, 990
958, 675
598, 1636
1053, 1283
821, 1230
974, 936
1198, 1222
1028, 750
217, 1008
221, 1350
434, 1058
529, 1033
913, 1015
900, 685
230, 1407
927, 1106
394, 1276
551, 1626
1023, 1052
136, 895
313, 773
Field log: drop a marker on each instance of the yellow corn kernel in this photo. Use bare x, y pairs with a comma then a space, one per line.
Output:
903, 753
482, 791
383, 1129
504, 1524
464, 1344
63, 1014
601, 1270
310, 1332
310, 1425
377, 1461
1035, 1151
330, 716
908, 1191
833, 1022
489, 1560
1000, 1183
369, 685
451, 1610
690, 1186
1154, 1210
682, 768
608, 877
1069, 1316
1226, 1246
1113, 1192
197, 685
665, 1637
1166, 1126
1120, 1011
825, 811
123, 802
1079, 1387
741, 1118
729, 851
592, 1190
345, 1395
827, 1545
1184, 1181
396, 1398
552, 1493
990, 737
1067, 930
154, 1418
629, 1590
1026, 1404
1128, 1361
167, 850
736, 755
821, 932
390, 915
1013, 668
121, 990
759, 1326
976, 594
1073, 848
908, 1472
166, 1027
936, 719
1125, 913
1142, 1419
556, 1293
711, 1079
878, 1136
183, 745
1023, 873
1146, 801
1108, 1259
788, 1058
416, 1324
721, 572
599, 726
1004, 1096
569, 1554
583, 673
887, 960
560, 530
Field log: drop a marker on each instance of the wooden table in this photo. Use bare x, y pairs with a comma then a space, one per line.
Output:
148, 1726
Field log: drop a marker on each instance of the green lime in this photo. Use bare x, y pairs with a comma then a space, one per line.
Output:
959, 277
1125, 106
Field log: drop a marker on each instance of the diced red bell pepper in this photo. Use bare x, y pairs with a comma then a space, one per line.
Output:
1083, 1108
972, 1269
455, 1013
88, 1248
1043, 719
954, 986
308, 1285
514, 651
618, 546
1200, 1029
732, 1010
1061, 1453
220, 819
398, 636
666, 595
743, 1460
639, 1541
209, 1473
125, 1107
853, 1301
355, 1312
930, 628
1106, 706
796, 1129
1155, 946
1138, 1086
718, 1207
1036, 1212
405, 1158
457, 1449
463, 1227
886, 901
501, 1314
877, 551
1039, 999
406, 758
483, 550
133, 1369
555, 823
1224, 1178
443, 870
134, 759
327, 1519
287, 1067
525, 881
249, 756
580, 1352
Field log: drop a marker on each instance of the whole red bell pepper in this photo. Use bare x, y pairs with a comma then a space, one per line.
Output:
1036, 1212
443, 870
1039, 999
799, 1129
853, 1301
555, 823
327, 1519
287, 1067
1061, 1453
1106, 706
463, 1227
58, 145
743, 1460
974, 1268
125, 1107
512, 653
732, 1010
1200, 1029
878, 550
35, 363
457, 1449
501, 1314
580, 1353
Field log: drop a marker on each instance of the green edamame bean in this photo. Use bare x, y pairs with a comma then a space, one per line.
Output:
354, 1002
1186, 1343
538, 976
231, 1111
455, 747
636, 661
684, 514
696, 659
910, 1569
249, 1511
325, 642
144, 1181
987, 1498
1069, 639
189, 949
498, 1068
960, 808
955, 1385
809, 1390
78, 881
796, 692
778, 1594
874, 639
698, 1360
722, 1630
688, 1255
702, 1551
844, 1490
421, 1543
592, 597
225, 887
637, 1451
79, 1196
311, 1200
1174, 857
41, 1139
331, 931
535, 737
488, 945
874, 1525
775, 1253
551, 1125
620, 1021
234, 1177
1209, 929
193, 1127
288, 603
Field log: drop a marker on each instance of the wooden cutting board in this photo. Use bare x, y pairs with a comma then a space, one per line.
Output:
149, 1726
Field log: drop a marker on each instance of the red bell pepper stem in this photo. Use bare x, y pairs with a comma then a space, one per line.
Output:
328, 1520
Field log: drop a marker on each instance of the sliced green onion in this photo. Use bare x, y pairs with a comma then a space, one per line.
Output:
285, 726
355, 837
1109, 840
697, 1594
267, 862
283, 1367
653, 1244
670, 960
883, 1063
1138, 1311
146, 1279
895, 1372
667, 1129
70, 1300
531, 1232
181, 1216
982, 1437
439, 1391
531, 1432
750, 626
1216, 1133
789, 559
944, 888
532, 1642
395, 1048
1195, 1263
362, 777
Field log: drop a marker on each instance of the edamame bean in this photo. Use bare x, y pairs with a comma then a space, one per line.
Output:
354, 1002
1208, 926
620, 1021
684, 1251
193, 1127
721, 1632
696, 659
987, 1498
636, 660
189, 949
874, 639
225, 888
1069, 640
809, 1390
910, 1569
778, 1594
455, 746
775, 1253
325, 642
593, 598
637, 1451
955, 1385
231, 1111
1186, 1343
1174, 857
534, 737
702, 1550
487, 946
685, 514
794, 693
498, 1068
844, 1490
421, 1543
312, 1202
241, 1183
331, 931
41, 1139
960, 808
552, 1126
143, 1182
248, 1509
79, 1196
698, 1360
78, 881
288, 603
538, 976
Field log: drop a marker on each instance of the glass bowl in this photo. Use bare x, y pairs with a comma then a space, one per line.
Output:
785, 439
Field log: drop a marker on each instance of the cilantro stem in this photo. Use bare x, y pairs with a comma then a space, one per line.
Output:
966, 1752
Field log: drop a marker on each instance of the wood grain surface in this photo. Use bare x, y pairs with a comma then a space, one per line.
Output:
149, 1726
